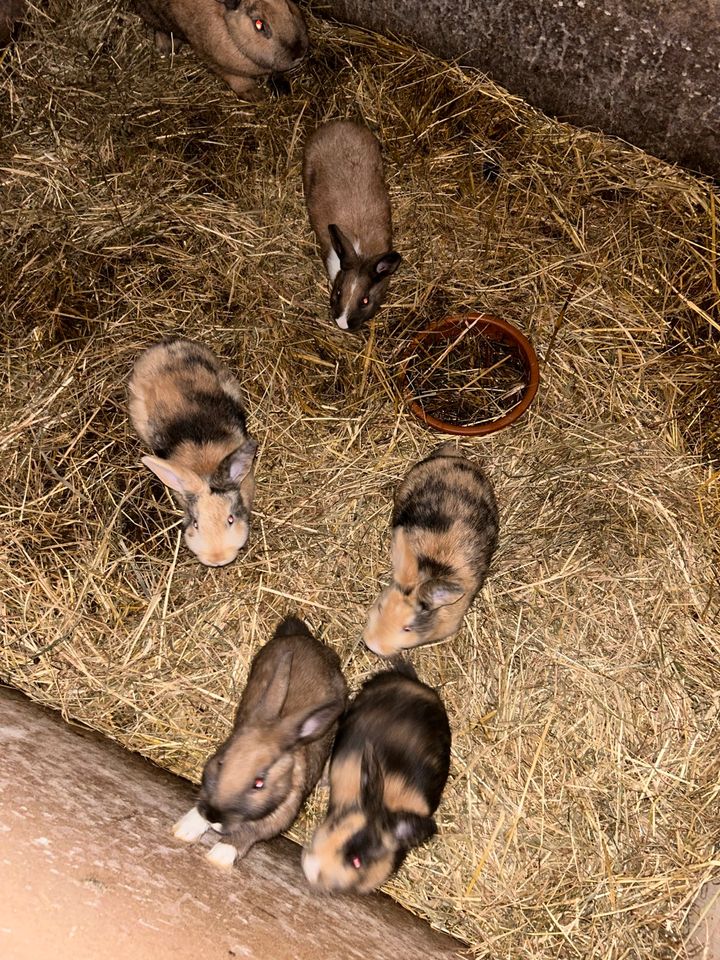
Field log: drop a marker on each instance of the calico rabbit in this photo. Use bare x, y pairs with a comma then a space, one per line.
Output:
388, 770
187, 407
444, 533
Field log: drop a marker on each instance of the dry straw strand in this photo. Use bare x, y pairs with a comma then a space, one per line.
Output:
141, 199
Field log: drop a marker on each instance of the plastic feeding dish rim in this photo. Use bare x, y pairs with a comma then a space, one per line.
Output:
493, 328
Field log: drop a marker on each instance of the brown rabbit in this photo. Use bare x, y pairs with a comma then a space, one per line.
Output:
240, 40
349, 209
187, 407
388, 770
254, 785
445, 531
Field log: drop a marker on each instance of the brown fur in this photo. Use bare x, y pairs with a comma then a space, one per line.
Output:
228, 40
294, 681
344, 185
187, 408
445, 527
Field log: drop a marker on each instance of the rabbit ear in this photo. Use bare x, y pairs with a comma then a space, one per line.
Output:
308, 725
238, 464
342, 247
273, 699
404, 564
386, 265
411, 829
372, 781
178, 478
439, 593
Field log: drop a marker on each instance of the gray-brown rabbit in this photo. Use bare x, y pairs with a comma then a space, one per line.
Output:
255, 784
349, 209
241, 40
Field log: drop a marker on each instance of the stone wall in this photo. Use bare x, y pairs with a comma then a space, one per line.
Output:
644, 70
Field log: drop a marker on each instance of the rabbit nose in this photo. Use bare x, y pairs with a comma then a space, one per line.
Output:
372, 643
206, 810
218, 560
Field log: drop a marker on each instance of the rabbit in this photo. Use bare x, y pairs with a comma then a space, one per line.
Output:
388, 770
349, 210
255, 784
11, 11
241, 40
187, 408
444, 533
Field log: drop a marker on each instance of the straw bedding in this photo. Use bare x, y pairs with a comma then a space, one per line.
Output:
141, 199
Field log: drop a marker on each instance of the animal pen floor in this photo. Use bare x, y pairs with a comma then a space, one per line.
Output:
141, 199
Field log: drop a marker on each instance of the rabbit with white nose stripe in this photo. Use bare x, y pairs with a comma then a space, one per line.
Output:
349, 209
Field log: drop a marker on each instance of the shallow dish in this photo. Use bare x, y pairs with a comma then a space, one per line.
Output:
453, 330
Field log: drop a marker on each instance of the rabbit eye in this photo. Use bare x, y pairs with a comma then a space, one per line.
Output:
260, 25
356, 862
365, 301
231, 520
259, 783
195, 524
407, 629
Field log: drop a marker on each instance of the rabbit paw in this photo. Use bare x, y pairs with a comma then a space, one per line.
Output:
246, 88
166, 44
222, 855
191, 827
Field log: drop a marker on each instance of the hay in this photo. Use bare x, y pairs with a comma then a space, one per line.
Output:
141, 199
465, 378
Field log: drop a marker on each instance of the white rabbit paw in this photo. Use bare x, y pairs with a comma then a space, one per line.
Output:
222, 855
191, 827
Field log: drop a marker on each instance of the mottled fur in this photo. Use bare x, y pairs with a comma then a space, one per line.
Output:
226, 36
349, 210
388, 770
445, 531
282, 736
187, 408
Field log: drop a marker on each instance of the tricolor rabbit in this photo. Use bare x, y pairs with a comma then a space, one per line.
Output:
187, 407
444, 532
389, 766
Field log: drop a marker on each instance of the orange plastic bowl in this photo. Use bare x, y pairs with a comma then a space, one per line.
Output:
492, 328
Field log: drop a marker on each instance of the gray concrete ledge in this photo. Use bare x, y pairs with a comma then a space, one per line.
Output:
644, 70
